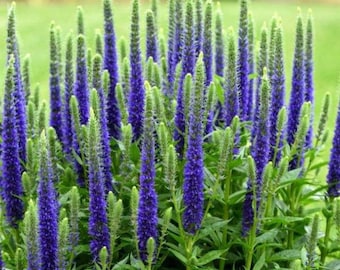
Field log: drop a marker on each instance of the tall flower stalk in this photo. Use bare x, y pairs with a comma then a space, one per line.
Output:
19, 94
262, 62
104, 134
333, 175
193, 170
47, 211
231, 106
147, 207
98, 227
297, 92
110, 63
81, 86
260, 153
137, 92
11, 184
68, 92
208, 44
55, 97
277, 96
188, 66
309, 79
251, 65
242, 60
151, 37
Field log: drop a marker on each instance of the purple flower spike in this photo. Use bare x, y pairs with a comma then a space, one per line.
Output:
136, 98
151, 37
193, 169
11, 177
55, 98
242, 60
68, 92
188, 67
19, 94
47, 211
231, 106
333, 177
262, 61
207, 44
250, 67
98, 227
81, 87
104, 135
171, 49
219, 45
309, 79
297, 92
110, 63
147, 208
198, 27
260, 154
278, 94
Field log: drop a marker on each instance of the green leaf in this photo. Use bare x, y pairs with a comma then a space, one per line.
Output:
179, 256
260, 263
334, 265
266, 237
219, 88
286, 255
210, 256
283, 220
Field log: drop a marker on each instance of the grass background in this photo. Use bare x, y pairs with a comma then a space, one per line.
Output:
33, 28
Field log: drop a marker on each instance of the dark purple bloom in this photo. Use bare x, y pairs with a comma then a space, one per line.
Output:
250, 67
260, 153
111, 65
147, 207
231, 106
68, 92
297, 92
11, 176
278, 94
188, 66
19, 94
55, 98
333, 177
81, 87
198, 27
309, 80
98, 228
104, 135
136, 98
193, 169
151, 37
47, 211
242, 60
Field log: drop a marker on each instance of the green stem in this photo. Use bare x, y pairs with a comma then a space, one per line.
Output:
225, 215
250, 253
187, 244
324, 250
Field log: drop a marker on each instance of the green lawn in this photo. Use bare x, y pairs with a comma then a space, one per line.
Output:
33, 27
